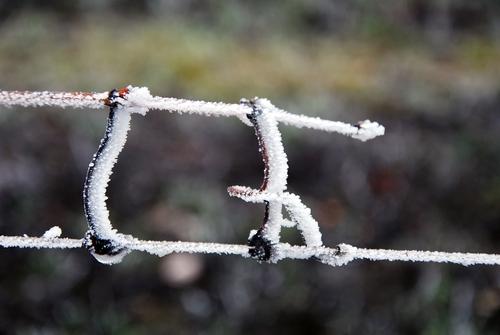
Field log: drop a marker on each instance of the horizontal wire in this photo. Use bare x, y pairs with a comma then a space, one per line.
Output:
363, 131
340, 255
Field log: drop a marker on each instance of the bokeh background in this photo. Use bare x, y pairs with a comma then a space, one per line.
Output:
428, 70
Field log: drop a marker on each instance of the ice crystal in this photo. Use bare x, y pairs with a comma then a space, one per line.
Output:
52, 232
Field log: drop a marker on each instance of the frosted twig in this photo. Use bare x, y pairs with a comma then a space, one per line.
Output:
340, 255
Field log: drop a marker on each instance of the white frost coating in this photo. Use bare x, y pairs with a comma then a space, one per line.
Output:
103, 169
163, 248
52, 232
248, 194
364, 130
343, 254
272, 227
337, 257
183, 106
299, 213
273, 145
39, 242
137, 99
141, 100
102, 240
368, 130
275, 165
59, 99
288, 223
465, 259
276, 174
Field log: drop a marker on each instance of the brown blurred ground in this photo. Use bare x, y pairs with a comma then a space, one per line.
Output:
428, 70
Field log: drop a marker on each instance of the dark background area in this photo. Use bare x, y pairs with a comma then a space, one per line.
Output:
427, 70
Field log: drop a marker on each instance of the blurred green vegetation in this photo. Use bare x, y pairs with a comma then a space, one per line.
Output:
190, 59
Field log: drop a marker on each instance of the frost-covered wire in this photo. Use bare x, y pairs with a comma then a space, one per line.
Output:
39, 242
109, 246
363, 131
300, 214
101, 237
58, 99
272, 192
275, 176
337, 256
420, 256
102, 240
